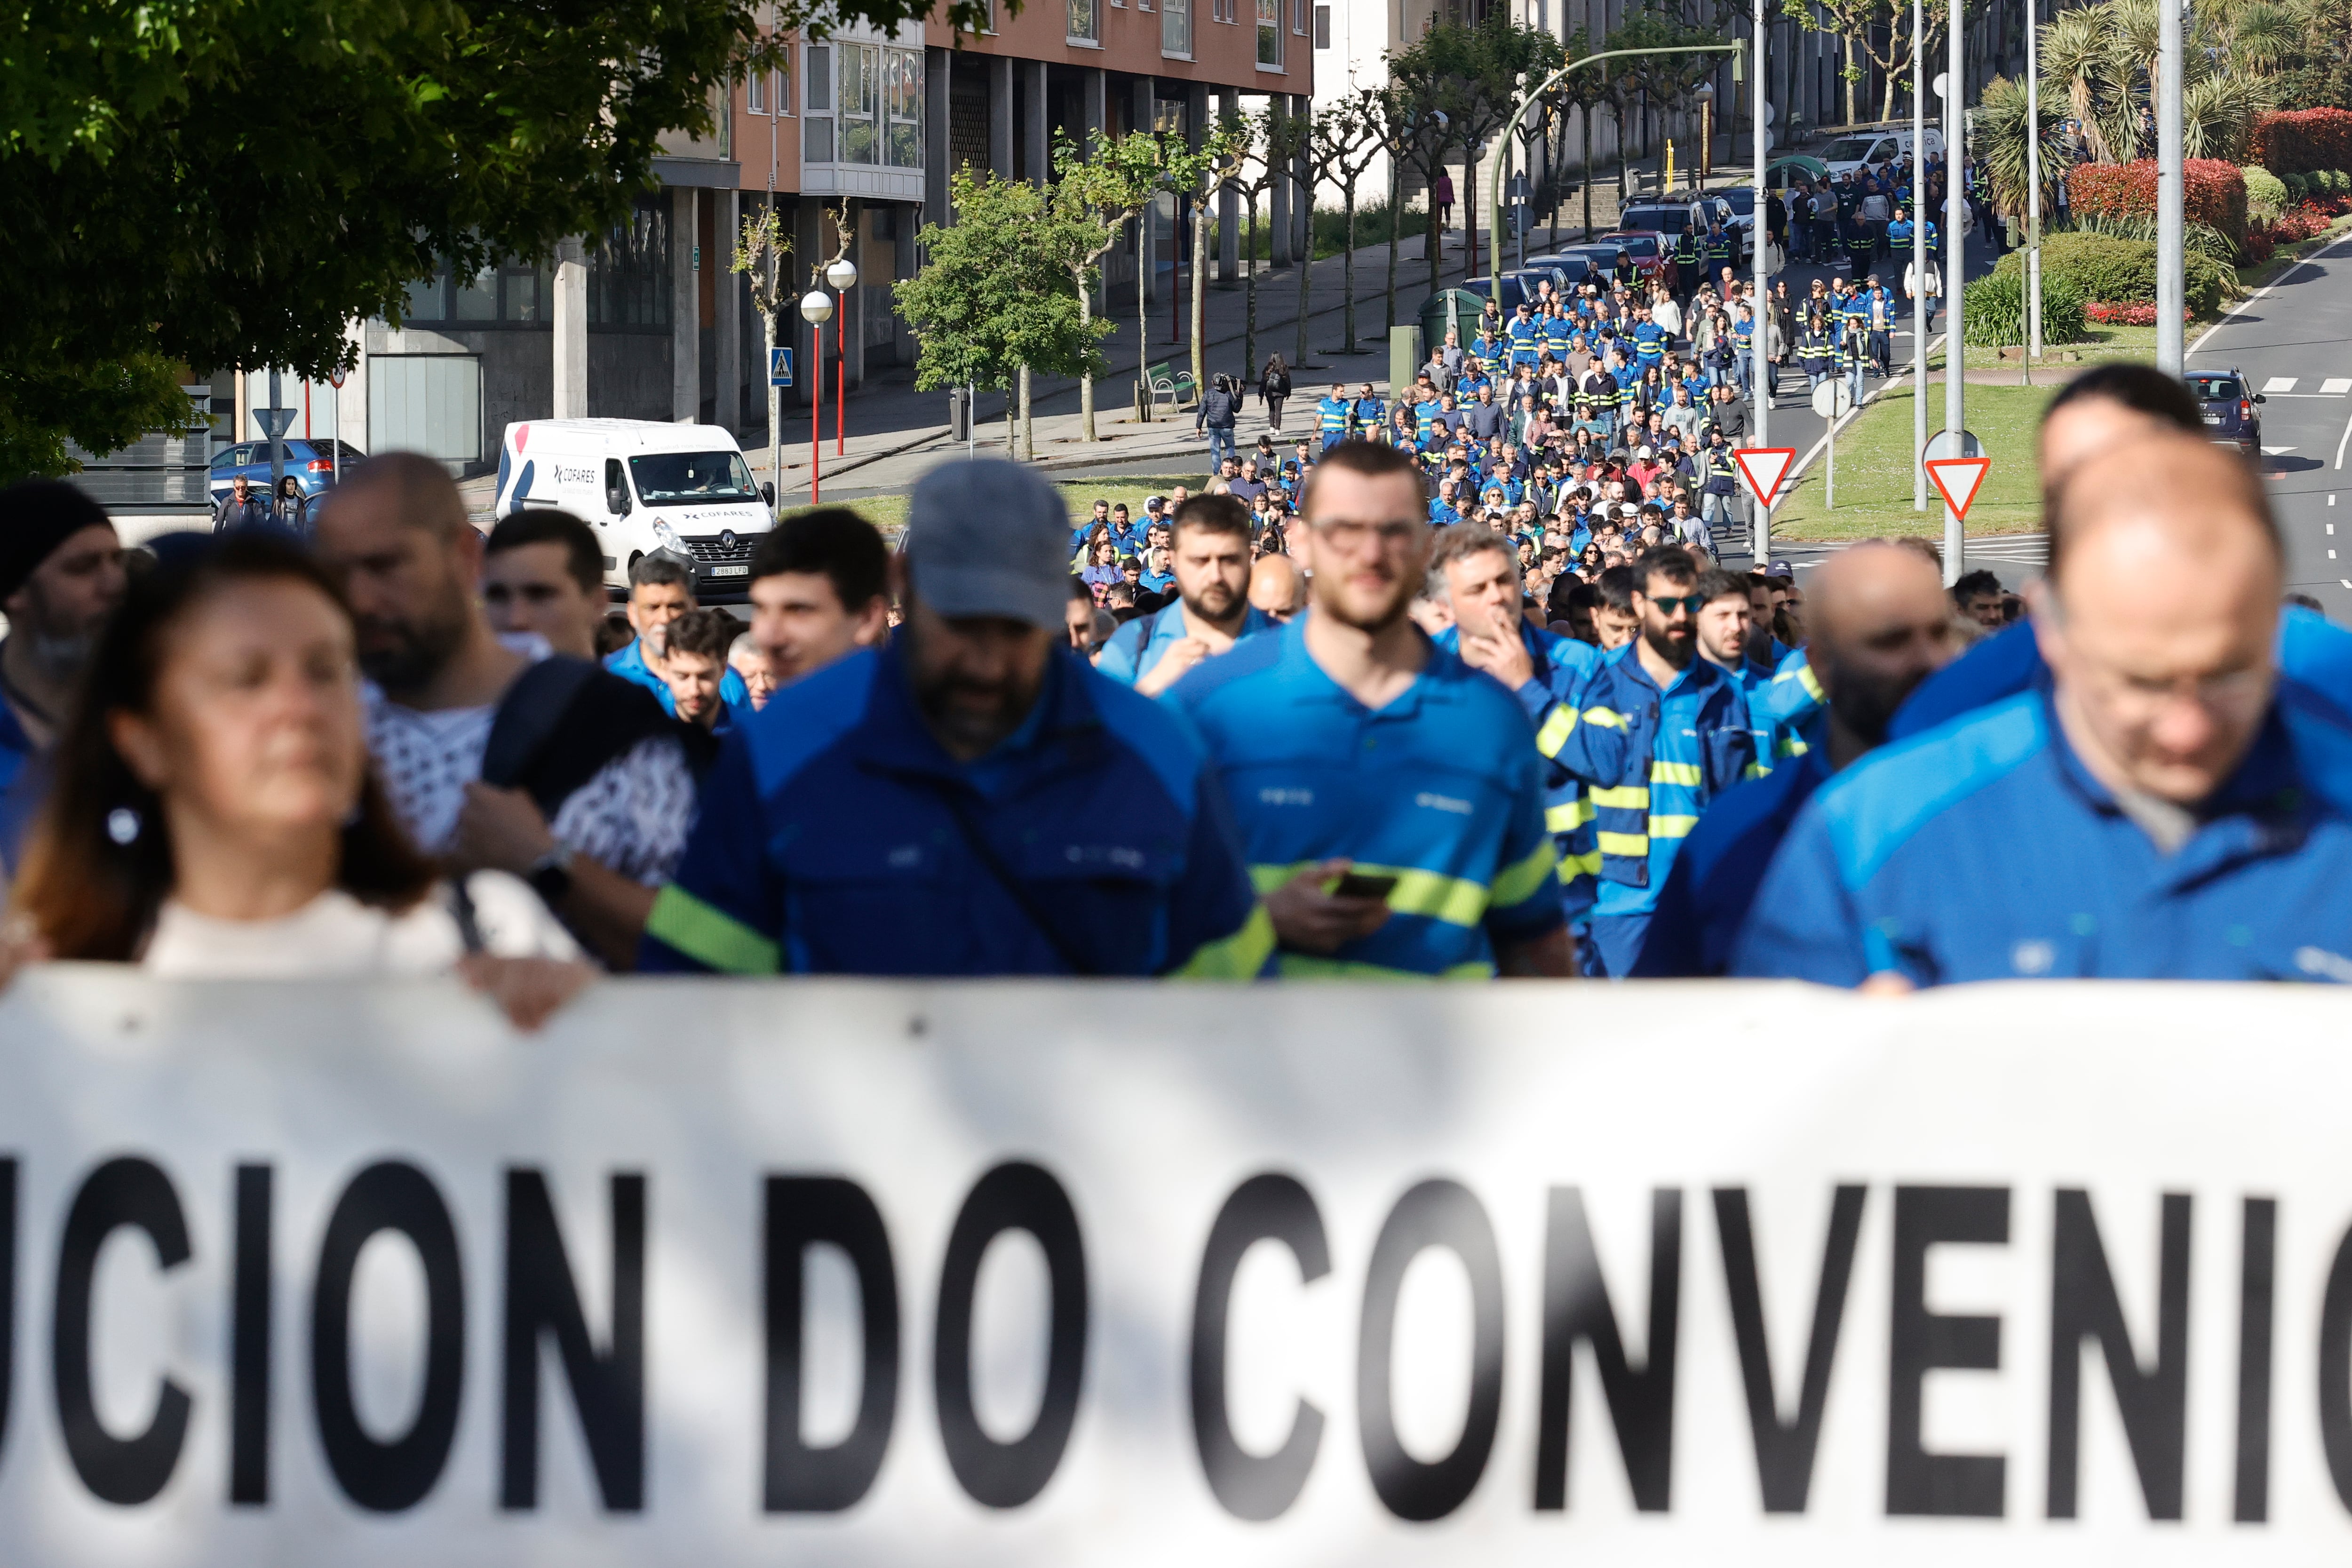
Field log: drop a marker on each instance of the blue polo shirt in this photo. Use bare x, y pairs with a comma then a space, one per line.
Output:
1986, 850
1136, 647
835, 835
1442, 789
629, 663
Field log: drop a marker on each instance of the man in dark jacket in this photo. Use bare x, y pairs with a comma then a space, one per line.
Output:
1219, 408
241, 508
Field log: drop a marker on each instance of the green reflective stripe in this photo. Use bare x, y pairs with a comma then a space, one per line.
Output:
1790, 746
709, 935
1676, 773
1307, 966
1671, 826
1630, 797
1266, 879
1571, 867
1240, 956
1519, 882
1556, 731
1755, 769
1450, 900
1569, 818
1628, 844
1607, 717
1811, 682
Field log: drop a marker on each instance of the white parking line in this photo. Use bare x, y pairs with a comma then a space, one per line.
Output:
2335, 386
2279, 383
2339, 447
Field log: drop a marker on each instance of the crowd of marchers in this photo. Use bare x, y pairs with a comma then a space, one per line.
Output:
394, 745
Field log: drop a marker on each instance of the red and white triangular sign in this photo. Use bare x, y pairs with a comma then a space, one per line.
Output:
1958, 479
1762, 467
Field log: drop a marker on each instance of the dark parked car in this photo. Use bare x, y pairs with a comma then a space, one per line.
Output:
2229, 405
314, 464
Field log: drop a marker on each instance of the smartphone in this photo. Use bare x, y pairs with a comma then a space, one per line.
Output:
1356, 884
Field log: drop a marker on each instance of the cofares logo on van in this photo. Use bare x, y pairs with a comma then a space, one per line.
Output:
564, 476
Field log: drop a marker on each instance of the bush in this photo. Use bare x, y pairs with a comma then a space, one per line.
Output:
2304, 140
1371, 227
1992, 309
2265, 194
2213, 192
2097, 266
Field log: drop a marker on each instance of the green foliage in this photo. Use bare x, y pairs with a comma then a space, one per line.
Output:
2316, 182
222, 185
2120, 268
2099, 61
100, 408
2206, 261
1372, 224
995, 294
2265, 193
1999, 139
1993, 308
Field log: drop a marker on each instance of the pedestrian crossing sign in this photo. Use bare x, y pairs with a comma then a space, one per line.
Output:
780, 367
1958, 479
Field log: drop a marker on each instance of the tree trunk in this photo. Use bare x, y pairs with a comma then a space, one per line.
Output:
1012, 447
1396, 218
1249, 289
1086, 377
1585, 116
1848, 74
1347, 273
1143, 305
1469, 211
1028, 429
1617, 112
1302, 204
1434, 246
1200, 322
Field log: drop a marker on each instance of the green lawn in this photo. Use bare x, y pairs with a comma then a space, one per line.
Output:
888, 512
1874, 470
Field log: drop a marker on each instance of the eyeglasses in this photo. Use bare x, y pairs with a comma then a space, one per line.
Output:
1691, 604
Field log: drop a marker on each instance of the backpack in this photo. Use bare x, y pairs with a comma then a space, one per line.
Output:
563, 721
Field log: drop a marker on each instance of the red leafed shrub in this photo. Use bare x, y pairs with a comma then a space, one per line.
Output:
2302, 140
2123, 315
2307, 221
2260, 245
2213, 192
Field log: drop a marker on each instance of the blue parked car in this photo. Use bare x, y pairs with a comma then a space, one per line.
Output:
2228, 404
313, 463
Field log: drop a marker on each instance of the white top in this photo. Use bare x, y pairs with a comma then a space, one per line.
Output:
334, 936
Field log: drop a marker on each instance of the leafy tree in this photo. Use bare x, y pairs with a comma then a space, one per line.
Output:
1094, 196
994, 298
1473, 76
1659, 81
760, 255
2102, 60
1194, 175
1584, 91
1265, 141
1346, 138
233, 185
1880, 31
1413, 133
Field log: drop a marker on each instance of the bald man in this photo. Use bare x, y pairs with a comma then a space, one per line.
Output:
1881, 625
1276, 586
2148, 814
2104, 405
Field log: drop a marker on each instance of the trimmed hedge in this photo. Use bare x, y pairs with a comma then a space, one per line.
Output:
1992, 309
2119, 271
2213, 192
2302, 140
2265, 193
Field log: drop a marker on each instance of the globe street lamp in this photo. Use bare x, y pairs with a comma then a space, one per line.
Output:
816, 309
843, 276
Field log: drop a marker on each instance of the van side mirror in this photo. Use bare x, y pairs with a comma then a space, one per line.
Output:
616, 500
768, 492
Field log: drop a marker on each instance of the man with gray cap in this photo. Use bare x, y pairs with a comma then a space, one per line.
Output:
970, 799
61, 578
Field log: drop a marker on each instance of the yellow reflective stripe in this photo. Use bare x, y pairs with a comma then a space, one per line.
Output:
1236, 957
1811, 682
1453, 900
1631, 797
1676, 773
709, 935
1755, 770
1571, 867
1635, 844
1671, 826
1790, 746
1307, 966
1519, 882
1607, 717
1556, 731
1569, 818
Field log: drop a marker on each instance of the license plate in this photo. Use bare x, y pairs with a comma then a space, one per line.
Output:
2212, 419
731, 569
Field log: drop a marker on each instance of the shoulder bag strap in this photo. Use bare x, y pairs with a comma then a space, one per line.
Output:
993, 864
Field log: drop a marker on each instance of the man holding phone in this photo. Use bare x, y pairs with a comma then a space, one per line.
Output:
1390, 797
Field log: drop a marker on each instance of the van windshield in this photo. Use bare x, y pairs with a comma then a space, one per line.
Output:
1660, 220
680, 478
1851, 150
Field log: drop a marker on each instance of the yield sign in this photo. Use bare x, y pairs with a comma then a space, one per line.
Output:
1762, 467
1958, 479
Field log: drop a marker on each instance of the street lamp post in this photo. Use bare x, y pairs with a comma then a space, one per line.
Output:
1918, 257
1760, 334
816, 309
1956, 275
843, 276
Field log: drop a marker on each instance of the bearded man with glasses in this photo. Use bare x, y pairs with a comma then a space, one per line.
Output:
1391, 797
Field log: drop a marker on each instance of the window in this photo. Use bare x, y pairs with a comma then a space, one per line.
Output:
902, 76
817, 144
628, 270
857, 72
783, 80
1085, 23
1298, 17
1176, 28
1269, 34
1322, 26
755, 92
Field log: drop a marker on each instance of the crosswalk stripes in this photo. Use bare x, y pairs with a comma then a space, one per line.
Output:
2337, 386
2279, 383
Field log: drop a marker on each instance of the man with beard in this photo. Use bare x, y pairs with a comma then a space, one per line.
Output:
1211, 562
1662, 733
61, 578
1882, 625
968, 797
497, 756
1389, 796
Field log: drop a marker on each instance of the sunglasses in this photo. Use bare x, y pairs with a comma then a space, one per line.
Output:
1690, 603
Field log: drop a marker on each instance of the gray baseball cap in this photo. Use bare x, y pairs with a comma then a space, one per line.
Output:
990, 537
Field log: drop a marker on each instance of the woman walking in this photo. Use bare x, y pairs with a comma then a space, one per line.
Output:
1273, 387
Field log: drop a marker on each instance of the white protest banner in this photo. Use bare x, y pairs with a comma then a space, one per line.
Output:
722, 1273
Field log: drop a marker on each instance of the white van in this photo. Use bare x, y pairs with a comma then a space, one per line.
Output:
644, 486
1866, 152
